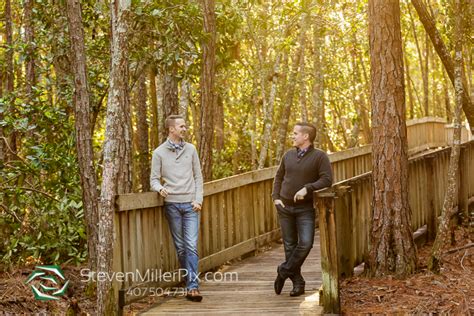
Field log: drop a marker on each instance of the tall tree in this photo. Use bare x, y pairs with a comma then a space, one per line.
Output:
207, 88
142, 135
452, 185
85, 153
170, 95
268, 114
318, 85
30, 47
430, 27
392, 249
116, 175
154, 131
219, 123
9, 74
292, 79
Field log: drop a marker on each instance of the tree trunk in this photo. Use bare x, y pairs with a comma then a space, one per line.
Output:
451, 195
446, 59
253, 125
116, 176
207, 89
184, 97
142, 135
2, 142
154, 133
10, 74
30, 48
447, 101
85, 153
302, 85
424, 74
411, 112
293, 75
170, 95
219, 123
426, 88
318, 87
268, 114
392, 249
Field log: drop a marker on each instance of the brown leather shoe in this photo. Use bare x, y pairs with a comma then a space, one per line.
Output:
194, 295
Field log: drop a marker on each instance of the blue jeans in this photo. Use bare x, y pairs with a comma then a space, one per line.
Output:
297, 228
184, 227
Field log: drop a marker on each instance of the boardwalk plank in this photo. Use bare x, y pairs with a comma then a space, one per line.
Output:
253, 293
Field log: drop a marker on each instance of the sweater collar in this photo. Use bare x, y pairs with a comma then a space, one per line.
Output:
174, 147
301, 152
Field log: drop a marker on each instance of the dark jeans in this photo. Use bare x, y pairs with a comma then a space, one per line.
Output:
297, 228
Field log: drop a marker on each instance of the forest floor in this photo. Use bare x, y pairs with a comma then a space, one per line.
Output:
450, 292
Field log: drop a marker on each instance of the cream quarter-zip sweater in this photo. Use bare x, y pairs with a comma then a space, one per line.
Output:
178, 172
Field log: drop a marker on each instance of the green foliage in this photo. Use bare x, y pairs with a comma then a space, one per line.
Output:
40, 199
41, 194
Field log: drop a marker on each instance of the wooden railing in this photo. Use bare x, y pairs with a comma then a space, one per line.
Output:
344, 213
237, 218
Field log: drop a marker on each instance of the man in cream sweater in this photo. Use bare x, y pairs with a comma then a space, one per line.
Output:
176, 176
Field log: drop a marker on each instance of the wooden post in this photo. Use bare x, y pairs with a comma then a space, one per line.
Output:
463, 185
431, 224
325, 203
343, 229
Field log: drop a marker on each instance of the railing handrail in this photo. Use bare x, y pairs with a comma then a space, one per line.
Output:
152, 199
345, 208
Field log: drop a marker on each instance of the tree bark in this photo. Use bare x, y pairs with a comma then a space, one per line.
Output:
318, 87
447, 100
85, 153
30, 49
10, 74
142, 135
411, 112
253, 125
170, 95
302, 85
154, 132
425, 73
207, 89
184, 97
219, 123
450, 198
116, 176
392, 249
293, 75
268, 114
446, 59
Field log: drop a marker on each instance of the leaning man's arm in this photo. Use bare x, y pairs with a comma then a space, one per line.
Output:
278, 179
324, 173
198, 181
155, 176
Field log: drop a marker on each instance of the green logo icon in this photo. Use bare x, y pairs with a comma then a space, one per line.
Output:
47, 282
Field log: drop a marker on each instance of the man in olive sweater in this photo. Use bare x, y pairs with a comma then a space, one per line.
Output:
302, 170
176, 175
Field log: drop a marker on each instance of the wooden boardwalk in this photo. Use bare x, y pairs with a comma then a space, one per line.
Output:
252, 293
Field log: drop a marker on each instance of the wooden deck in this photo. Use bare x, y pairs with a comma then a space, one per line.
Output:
253, 293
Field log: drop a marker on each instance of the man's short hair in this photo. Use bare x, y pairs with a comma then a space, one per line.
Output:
309, 129
171, 120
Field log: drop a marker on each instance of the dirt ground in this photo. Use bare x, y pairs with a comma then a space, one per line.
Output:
450, 292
